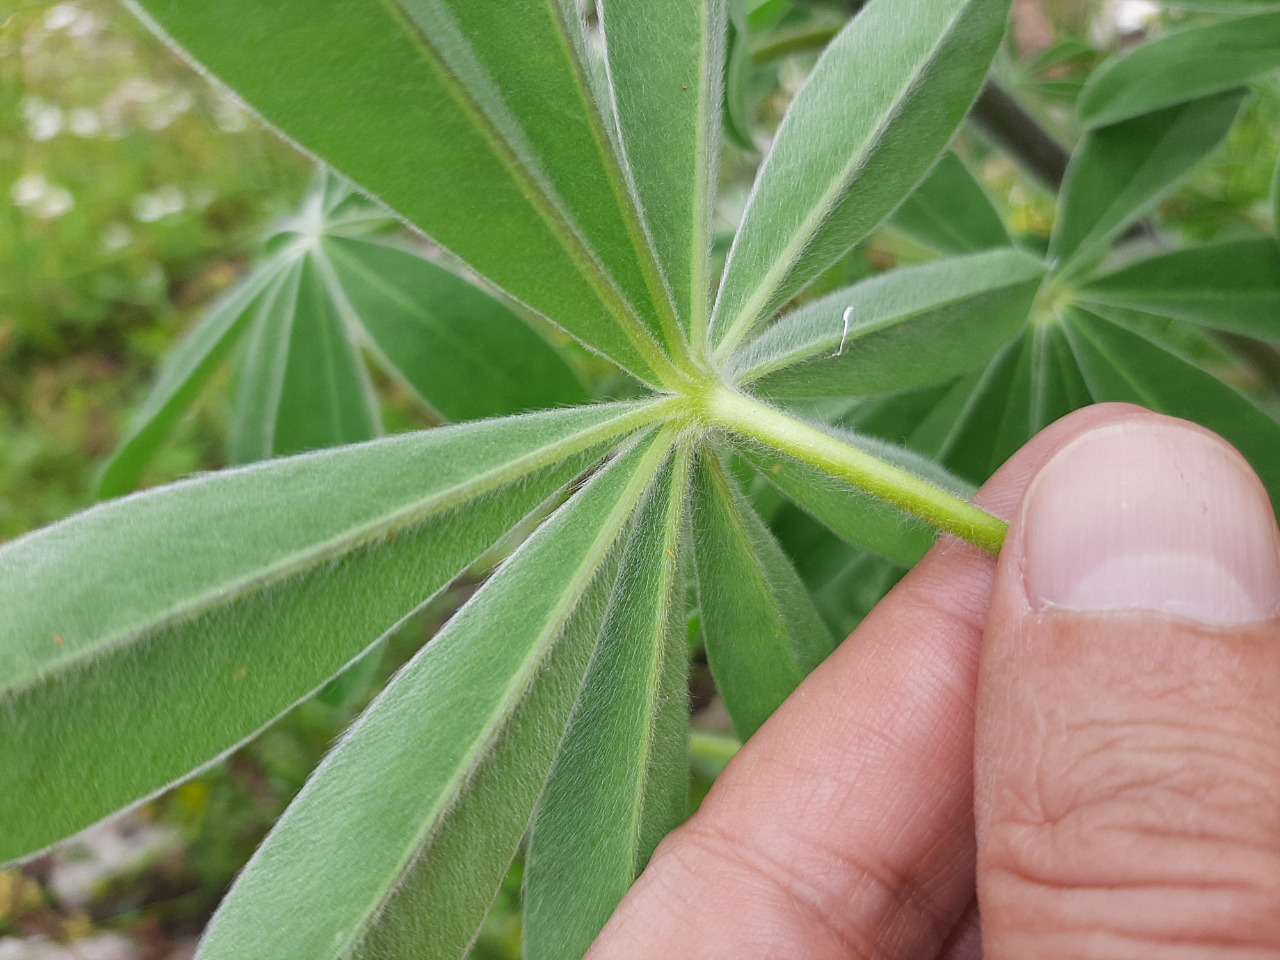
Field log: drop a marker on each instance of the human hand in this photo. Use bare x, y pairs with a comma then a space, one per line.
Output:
1084, 738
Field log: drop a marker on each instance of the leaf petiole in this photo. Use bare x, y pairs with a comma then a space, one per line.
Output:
758, 421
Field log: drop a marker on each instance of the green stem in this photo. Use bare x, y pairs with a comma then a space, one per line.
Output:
808, 444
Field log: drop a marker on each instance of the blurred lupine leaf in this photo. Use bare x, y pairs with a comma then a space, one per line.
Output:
1233, 285
1120, 172
950, 211
1179, 67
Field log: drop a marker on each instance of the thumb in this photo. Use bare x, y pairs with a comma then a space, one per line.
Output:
1128, 728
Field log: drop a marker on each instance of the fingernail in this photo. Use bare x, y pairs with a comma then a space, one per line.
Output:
1144, 515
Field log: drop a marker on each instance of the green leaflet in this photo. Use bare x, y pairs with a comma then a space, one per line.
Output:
1121, 364
188, 617
460, 350
186, 370
867, 126
1120, 172
486, 136
736, 113
621, 781
762, 633
423, 804
844, 581
989, 417
666, 64
860, 519
950, 211
1233, 285
302, 384
911, 327
1182, 66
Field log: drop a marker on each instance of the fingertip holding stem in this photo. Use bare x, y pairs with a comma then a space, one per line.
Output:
1155, 516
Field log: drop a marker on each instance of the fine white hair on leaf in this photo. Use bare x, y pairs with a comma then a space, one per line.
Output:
848, 318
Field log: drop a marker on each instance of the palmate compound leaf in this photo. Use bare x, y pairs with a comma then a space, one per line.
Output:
666, 67
911, 327
1118, 173
486, 138
877, 111
330, 281
1181, 66
1232, 285
762, 633
188, 617
621, 780
402, 837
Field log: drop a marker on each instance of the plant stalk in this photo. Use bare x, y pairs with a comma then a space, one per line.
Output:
758, 421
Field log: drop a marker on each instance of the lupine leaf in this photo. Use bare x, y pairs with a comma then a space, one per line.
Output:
621, 781
861, 519
188, 617
1123, 364
762, 633
867, 126
1029, 385
184, 373
1120, 172
737, 76
302, 383
844, 581
1233, 285
1181, 66
487, 140
666, 66
423, 804
950, 211
464, 353
907, 328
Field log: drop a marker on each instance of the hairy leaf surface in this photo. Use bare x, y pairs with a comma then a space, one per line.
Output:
1120, 172
666, 67
1181, 66
188, 617
910, 327
762, 633
875, 114
621, 781
423, 804
487, 140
